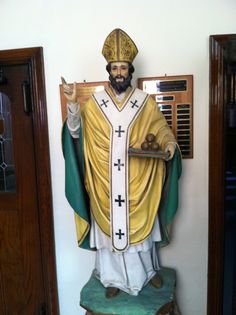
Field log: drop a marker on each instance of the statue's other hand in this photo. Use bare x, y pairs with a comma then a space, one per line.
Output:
171, 149
71, 94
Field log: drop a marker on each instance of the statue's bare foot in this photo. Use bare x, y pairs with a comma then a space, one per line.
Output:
111, 292
156, 281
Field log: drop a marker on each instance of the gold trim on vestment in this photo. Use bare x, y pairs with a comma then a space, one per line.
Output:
82, 228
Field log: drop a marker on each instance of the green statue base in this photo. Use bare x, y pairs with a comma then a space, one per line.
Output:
150, 301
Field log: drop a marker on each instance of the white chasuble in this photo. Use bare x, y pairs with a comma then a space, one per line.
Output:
120, 121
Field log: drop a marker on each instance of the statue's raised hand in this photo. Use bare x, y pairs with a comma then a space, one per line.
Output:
71, 94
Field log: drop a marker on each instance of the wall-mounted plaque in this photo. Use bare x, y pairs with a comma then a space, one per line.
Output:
85, 89
174, 96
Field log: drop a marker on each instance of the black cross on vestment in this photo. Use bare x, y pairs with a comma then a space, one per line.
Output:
134, 104
119, 131
120, 234
104, 103
119, 200
119, 164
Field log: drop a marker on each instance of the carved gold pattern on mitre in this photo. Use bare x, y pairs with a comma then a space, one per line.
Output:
119, 46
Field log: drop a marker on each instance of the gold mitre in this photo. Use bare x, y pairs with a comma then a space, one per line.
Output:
118, 46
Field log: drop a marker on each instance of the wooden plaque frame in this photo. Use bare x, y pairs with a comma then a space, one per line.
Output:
174, 96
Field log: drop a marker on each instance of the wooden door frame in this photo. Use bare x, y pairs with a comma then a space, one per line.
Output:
33, 57
217, 99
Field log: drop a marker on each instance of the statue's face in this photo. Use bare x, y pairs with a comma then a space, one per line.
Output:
119, 71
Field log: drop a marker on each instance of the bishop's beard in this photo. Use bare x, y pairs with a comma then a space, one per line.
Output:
120, 87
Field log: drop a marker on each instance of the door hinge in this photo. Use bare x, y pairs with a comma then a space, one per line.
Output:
27, 97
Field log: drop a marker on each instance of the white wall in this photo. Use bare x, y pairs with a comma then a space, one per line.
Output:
172, 37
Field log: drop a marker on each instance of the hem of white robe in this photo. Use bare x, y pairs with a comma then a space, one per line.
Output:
120, 285
129, 272
124, 278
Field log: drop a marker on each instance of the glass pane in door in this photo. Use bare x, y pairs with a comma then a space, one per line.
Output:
7, 168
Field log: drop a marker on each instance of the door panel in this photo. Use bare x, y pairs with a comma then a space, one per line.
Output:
221, 265
21, 274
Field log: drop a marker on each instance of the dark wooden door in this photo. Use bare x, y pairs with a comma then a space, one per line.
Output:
27, 261
22, 288
222, 170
